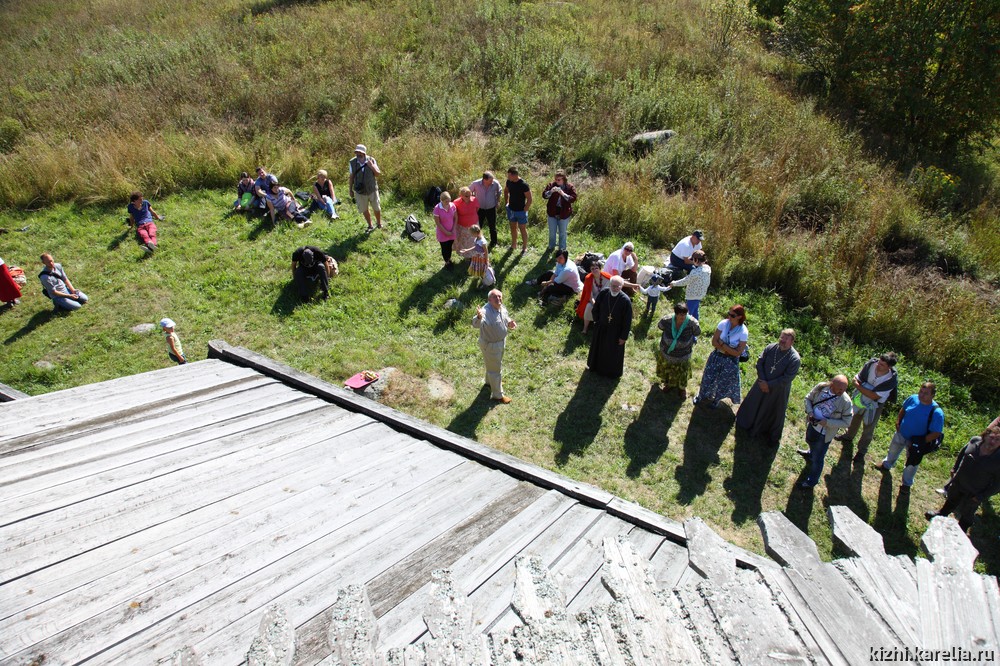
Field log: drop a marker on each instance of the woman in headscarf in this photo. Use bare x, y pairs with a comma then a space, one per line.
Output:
673, 359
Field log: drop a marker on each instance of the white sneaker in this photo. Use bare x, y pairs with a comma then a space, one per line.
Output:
941, 491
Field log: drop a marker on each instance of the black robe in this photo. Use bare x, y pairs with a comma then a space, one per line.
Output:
763, 414
612, 322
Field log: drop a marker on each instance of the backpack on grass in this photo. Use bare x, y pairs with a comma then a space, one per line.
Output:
411, 229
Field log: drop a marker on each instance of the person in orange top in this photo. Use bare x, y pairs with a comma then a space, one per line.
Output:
593, 283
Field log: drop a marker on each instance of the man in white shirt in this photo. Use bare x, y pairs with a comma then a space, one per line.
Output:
680, 256
564, 281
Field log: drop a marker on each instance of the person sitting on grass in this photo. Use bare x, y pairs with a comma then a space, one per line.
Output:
323, 196
174, 348
281, 201
141, 214
244, 193
623, 262
561, 282
56, 285
595, 281
312, 266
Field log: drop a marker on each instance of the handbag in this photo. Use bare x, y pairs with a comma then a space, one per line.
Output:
921, 443
745, 356
489, 277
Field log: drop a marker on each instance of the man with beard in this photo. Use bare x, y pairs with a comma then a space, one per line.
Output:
612, 324
763, 410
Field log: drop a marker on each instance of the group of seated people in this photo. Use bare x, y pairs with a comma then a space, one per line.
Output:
266, 196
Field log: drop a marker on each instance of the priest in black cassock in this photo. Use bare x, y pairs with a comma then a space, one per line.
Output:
762, 412
612, 324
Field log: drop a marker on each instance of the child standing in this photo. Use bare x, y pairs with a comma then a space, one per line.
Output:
652, 293
479, 254
174, 348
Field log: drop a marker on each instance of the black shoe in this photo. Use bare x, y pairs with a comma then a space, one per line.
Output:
843, 438
880, 467
805, 453
904, 490
931, 514
806, 485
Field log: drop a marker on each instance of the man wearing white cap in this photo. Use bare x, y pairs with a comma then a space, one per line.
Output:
174, 348
364, 184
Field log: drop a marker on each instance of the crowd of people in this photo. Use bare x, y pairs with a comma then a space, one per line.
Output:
835, 410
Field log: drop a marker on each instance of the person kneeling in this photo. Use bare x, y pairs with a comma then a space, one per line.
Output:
312, 266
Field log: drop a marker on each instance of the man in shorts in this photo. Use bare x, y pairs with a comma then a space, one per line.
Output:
363, 181
517, 199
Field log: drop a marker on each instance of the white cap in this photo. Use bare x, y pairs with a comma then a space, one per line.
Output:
360, 148
166, 322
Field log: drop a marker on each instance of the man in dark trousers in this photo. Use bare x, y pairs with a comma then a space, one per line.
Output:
612, 325
763, 410
312, 266
975, 477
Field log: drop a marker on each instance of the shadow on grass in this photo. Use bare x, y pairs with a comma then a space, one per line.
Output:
892, 521
704, 437
118, 240
342, 250
752, 462
288, 300
263, 224
641, 330
575, 337
646, 437
38, 319
984, 537
843, 483
523, 293
424, 293
799, 506
579, 423
466, 421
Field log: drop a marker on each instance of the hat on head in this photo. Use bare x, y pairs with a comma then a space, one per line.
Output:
360, 148
699, 233
166, 322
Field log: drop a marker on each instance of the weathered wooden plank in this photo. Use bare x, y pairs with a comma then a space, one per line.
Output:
353, 629
32, 545
947, 546
667, 564
593, 593
853, 535
429, 512
298, 512
275, 641
36, 419
159, 458
68, 457
228, 588
410, 574
402, 625
404, 423
344, 457
708, 554
10, 394
690, 610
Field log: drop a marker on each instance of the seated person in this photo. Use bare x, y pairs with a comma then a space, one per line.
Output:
623, 262
244, 193
56, 285
261, 186
281, 201
561, 282
323, 196
312, 266
141, 214
681, 256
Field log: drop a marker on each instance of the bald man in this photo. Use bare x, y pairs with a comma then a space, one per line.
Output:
493, 323
828, 409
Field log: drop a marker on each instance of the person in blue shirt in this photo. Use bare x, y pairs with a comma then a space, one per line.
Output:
920, 420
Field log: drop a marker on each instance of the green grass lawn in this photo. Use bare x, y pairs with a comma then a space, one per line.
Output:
227, 277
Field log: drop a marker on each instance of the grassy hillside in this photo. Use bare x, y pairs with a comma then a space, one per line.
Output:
167, 95
227, 277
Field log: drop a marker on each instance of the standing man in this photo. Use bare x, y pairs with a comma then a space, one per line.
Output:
975, 477
681, 255
875, 384
560, 195
487, 192
517, 200
763, 410
493, 323
363, 181
612, 324
919, 426
827, 409
56, 285
312, 266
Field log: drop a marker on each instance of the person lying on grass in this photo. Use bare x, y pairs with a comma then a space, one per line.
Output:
281, 201
141, 214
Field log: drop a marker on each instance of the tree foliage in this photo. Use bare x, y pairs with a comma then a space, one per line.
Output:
925, 73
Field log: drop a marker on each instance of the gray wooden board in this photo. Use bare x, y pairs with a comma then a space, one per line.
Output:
306, 581
404, 624
593, 592
405, 423
954, 608
37, 419
87, 566
120, 587
885, 585
689, 609
63, 458
156, 459
34, 544
169, 616
410, 574
576, 566
9, 394
668, 563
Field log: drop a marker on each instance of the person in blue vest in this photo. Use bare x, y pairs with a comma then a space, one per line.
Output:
919, 426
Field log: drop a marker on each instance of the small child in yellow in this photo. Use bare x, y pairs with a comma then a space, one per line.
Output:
174, 348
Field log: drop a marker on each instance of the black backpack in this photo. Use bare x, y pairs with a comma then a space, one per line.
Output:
432, 198
411, 228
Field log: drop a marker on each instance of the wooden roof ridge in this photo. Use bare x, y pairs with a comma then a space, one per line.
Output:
485, 455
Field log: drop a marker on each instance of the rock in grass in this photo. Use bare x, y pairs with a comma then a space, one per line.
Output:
44, 365
439, 389
377, 388
454, 304
143, 328
646, 141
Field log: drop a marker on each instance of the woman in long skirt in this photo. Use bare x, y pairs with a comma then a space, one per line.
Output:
721, 378
673, 358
